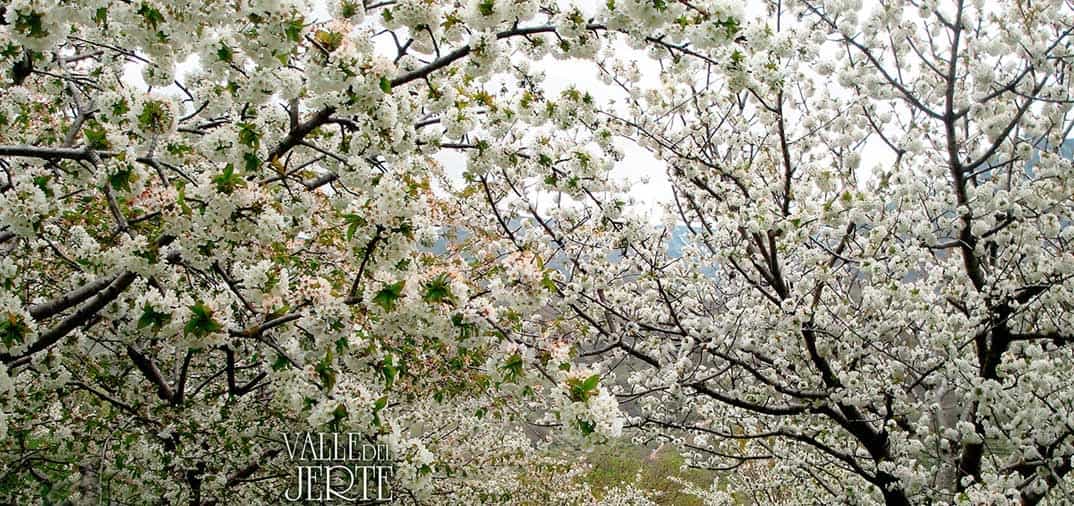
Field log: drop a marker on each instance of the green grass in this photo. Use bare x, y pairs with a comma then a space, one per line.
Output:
618, 464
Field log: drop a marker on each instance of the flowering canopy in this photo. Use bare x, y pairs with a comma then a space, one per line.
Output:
225, 220
863, 285
240, 245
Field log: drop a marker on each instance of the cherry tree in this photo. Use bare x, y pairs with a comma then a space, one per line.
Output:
220, 223
861, 288
860, 291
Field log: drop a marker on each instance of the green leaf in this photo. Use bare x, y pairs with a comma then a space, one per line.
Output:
42, 183
11, 50
330, 41
407, 229
121, 179
388, 369
438, 290
30, 24
152, 17
385, 85
486, 7
353, 222
348, 9
513, 367
201, 323
338, 415
225, 53
227, 181
737, 58
100, 16
154, 117
293, 30
248, 135
547, 283
13, 329
582, 390
96, 135
154, 318
586, 427
121, 107
325, 372
251, 162
280, 363
466, 329
181, 198
389, 294
730, 26
379, 406
591, 382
